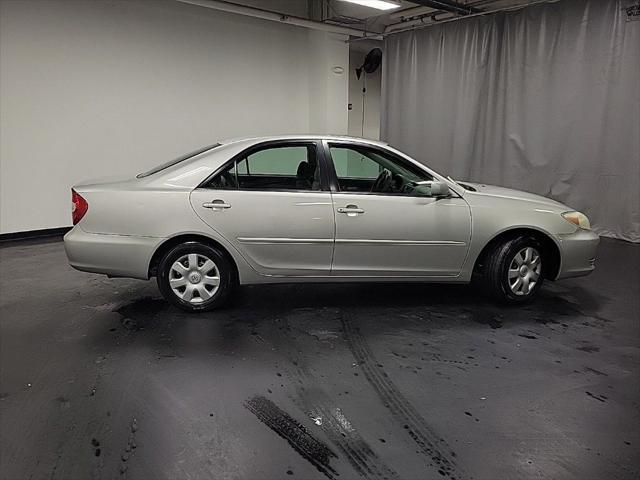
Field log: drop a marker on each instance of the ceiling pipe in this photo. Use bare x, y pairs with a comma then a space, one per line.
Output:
409, 24
448, 6
412, 12
277, 17
421, 22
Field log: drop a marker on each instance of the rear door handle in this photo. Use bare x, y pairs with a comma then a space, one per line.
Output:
216, 204
351, 210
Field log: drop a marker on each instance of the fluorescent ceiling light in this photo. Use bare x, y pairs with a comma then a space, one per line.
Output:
378, 4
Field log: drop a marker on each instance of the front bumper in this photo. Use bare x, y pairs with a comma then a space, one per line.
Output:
113, 255
577, 253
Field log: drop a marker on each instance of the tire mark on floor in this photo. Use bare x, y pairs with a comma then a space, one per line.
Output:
356, 450
296, 435
441, 456
330, 418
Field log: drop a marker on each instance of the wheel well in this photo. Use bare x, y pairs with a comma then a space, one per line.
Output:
549, 250
172, 242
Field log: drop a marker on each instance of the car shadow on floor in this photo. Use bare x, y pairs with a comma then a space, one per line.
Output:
392, 306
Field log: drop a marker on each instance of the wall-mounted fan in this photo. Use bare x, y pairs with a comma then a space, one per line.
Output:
371, 63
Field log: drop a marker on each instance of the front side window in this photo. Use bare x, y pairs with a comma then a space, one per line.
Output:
364, 170
286, 167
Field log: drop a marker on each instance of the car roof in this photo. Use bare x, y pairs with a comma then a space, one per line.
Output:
284, 137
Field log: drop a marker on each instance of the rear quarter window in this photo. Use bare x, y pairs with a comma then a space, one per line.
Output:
178, 160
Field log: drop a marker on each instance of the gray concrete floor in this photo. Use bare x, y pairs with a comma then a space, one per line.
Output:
100, 378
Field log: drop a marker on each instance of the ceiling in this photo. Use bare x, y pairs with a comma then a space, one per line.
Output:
371, 20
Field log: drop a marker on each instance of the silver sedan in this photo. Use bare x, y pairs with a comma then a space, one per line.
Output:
319, 209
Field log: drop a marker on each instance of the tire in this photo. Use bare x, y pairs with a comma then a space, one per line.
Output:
514, 270
195, 277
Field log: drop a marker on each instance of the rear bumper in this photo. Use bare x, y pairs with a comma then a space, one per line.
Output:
113, 255
578, 253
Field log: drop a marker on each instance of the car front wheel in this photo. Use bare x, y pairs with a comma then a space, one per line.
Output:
195, 277
514, 270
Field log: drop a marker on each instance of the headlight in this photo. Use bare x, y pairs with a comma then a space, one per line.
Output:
577, 218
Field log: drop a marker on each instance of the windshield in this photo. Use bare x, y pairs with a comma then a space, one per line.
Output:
176, 161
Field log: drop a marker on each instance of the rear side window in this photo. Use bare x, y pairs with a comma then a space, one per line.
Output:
178, 160
285, 167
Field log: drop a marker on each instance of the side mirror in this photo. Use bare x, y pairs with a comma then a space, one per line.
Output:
433, 188
439, 189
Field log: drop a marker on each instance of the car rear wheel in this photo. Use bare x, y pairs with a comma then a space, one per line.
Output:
514, 270
195, 277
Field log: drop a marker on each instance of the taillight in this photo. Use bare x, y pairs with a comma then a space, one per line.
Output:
79, 206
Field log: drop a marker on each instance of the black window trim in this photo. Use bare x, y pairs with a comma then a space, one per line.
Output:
320, 158
335, 186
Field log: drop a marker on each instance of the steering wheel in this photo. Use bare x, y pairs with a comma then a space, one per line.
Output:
382, 182
409, 187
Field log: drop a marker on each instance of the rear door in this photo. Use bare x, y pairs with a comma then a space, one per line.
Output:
273, 204
387, 224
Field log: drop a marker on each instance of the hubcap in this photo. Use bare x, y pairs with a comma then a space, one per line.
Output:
194, 278
524, 271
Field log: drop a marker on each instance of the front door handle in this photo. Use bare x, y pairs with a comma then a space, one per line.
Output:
216, 204
351, 210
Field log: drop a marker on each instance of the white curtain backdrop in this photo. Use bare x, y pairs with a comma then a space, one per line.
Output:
544, 99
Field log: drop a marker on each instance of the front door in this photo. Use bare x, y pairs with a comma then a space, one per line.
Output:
387, 224
271, 204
